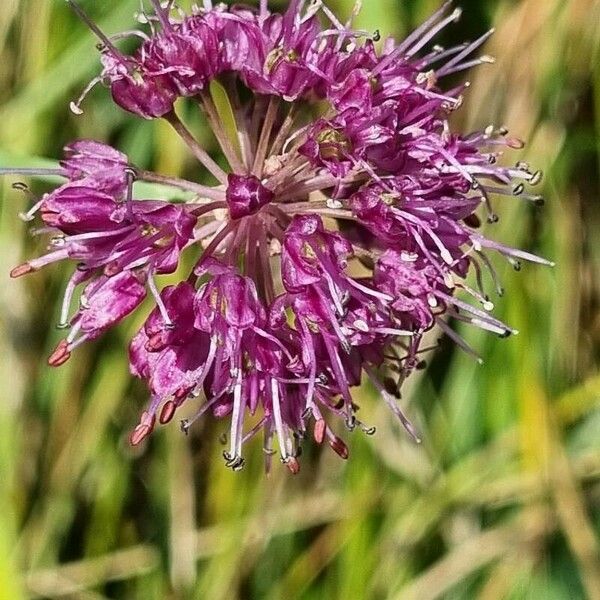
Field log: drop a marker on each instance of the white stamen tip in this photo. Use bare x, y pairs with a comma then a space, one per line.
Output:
75, 109
361, 325
26, 217
409, 256
447, 257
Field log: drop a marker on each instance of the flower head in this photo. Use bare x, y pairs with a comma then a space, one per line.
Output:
325, 250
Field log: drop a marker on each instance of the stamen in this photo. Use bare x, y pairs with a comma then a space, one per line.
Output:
391, 402
453, 18
264, 9
248, 436
183, 184
219, 132
284, 131
76, 106
33, 172
76, 279
186, 424
123, 35
233, 457
196, 148
447, 68
482, 60
278, 420
422, 29
99, 33
163, 17
458, 340
159, 303
265, 136
130, 176
492, 271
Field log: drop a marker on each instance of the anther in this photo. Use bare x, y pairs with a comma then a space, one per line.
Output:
536, 178
21, 270
138, 435
515, 143
368, 430
236, 463
292, 464
339, 447
60, 355
518, 189
319, 431
167, 412
472, 221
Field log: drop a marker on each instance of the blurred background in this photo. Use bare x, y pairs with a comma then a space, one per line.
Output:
502, 498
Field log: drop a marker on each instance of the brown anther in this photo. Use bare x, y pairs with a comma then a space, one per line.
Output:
472, 221
167, 412
319, 430
339, 404
293, 465
21, 270
339, 447
181, 393
60, 355
139, 434
391, 386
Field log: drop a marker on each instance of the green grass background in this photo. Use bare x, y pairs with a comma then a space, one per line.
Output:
502, 499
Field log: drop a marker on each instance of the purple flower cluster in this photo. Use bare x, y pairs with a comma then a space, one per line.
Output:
324, 252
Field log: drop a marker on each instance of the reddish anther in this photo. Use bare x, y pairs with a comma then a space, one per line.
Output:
21, 270
293, 465
60, 355
139, 434
339, 447
167, 412
319, 431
